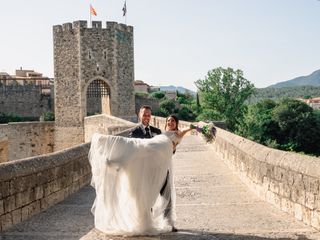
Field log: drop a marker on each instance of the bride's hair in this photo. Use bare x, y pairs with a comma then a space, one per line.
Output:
175, 119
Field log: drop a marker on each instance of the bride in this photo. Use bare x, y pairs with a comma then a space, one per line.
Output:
133, 182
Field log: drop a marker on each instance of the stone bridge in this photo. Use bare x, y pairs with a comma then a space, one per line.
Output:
231, 189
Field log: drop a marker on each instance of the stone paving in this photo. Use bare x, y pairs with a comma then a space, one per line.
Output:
212, 203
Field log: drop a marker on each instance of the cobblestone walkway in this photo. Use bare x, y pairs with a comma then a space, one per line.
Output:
212, 203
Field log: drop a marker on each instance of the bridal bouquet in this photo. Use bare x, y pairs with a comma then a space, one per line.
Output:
208, 131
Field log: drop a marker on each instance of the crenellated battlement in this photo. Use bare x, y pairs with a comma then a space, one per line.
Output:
82, 24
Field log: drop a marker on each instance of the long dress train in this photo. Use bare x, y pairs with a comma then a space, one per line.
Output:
127, 174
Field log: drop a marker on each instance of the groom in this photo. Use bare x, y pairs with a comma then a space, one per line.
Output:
144, 130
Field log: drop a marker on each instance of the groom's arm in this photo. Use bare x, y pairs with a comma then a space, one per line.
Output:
136, 133
156, 130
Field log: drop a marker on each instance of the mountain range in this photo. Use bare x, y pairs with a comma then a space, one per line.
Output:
311, 80
179, 89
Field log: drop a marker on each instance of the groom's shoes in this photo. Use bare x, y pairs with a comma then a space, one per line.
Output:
174, 229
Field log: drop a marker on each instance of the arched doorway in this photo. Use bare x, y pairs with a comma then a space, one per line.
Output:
98, 98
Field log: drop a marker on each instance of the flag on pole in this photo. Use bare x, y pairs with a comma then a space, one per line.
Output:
124, 9
92, 11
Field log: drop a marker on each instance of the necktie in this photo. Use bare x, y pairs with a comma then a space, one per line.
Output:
148, 135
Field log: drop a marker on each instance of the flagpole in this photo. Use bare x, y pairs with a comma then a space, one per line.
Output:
124, 9
90, 23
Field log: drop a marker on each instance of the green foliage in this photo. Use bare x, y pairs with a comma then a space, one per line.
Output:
286, 92
6, 118
209, 114
167, 107
258, 124
317, 114
289, 125
185, 98
299, 128
158, 95
184, 106
186, 114
223, 93
48, 116
143, 95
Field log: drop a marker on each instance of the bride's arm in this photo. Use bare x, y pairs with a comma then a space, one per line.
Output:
183, 132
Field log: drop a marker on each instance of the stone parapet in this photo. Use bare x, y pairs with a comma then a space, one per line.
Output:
29, 186
104, 124
288, 180
82, 24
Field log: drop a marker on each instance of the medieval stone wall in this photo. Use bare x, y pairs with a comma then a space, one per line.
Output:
25, 101
28, 139
153, 103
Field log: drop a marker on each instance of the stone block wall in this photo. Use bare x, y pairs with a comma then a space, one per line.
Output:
3, 149
29, 186
153, 103
25, 101
104, 124
288, 180
27, 139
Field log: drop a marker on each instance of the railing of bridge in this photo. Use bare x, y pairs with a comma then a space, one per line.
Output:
290, 181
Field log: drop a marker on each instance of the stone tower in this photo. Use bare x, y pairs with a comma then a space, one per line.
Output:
91, 65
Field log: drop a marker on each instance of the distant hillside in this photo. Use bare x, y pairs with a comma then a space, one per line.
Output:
174, 88
311, 80
290, 92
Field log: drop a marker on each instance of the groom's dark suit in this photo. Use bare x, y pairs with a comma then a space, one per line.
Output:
139, 132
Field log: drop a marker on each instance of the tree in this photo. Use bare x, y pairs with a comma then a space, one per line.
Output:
167, 107
158, 95
185, 98
258, 124
289, 125
185, 113
224, 92
299, 126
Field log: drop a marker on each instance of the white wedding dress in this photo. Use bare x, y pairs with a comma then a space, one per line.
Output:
127, 174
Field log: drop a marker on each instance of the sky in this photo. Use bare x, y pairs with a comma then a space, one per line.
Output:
176, 42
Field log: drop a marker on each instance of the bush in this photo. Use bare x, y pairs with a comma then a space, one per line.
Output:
48, 116
158, 95
167, 107
186, 114
5, 118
